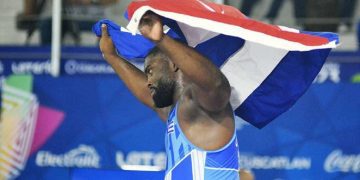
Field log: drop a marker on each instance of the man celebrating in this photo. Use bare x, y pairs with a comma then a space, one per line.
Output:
191, 95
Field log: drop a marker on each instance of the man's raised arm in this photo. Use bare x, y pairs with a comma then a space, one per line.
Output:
133, 78
210, 87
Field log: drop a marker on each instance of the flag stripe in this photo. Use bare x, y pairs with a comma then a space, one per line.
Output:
245, 70
220, 54
262, 108
195, 16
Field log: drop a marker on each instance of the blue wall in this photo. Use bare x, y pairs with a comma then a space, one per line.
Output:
105, 127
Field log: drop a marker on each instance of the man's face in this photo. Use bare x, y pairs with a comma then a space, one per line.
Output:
159, 80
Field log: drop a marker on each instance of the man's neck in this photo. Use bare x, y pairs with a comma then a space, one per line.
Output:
179, 87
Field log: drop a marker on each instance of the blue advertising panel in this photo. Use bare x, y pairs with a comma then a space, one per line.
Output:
101, 126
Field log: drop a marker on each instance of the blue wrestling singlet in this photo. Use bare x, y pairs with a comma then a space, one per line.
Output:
185, 161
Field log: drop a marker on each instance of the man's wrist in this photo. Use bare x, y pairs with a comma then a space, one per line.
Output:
109, 56
160, 40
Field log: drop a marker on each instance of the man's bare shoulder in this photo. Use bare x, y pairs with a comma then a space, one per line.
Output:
207, 130
192, 111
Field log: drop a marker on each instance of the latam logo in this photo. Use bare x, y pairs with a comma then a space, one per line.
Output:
82, 157
31, 67
336, 161
141, 160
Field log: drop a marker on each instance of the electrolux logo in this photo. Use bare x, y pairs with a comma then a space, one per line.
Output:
82, 157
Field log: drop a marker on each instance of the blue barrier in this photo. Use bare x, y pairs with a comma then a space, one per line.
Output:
91, 174
106, 129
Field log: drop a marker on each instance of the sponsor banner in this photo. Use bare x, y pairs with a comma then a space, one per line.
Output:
36, 61
309, 141
340, 67
68, 67
92, 121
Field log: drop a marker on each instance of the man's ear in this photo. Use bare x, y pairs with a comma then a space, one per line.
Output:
173, 67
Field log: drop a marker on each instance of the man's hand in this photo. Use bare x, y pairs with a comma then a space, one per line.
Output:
106, 44
151, 27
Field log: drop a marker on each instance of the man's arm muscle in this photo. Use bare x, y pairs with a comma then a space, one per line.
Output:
133, 78
210, 87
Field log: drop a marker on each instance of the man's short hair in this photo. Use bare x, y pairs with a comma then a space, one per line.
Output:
155, 52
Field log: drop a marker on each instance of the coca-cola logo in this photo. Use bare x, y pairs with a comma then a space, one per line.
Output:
339, 162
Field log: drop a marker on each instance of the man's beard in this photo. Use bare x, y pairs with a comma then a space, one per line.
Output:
164, 93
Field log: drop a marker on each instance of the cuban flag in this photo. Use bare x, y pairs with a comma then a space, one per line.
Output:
269, 67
